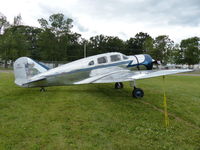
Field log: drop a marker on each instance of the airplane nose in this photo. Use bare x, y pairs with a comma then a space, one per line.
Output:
148, 62
142, 59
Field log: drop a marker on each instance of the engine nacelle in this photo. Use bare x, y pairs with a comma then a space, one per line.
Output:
143, 59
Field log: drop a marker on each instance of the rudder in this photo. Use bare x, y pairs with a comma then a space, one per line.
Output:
25, 68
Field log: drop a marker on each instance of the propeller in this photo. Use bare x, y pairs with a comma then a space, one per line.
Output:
157, 62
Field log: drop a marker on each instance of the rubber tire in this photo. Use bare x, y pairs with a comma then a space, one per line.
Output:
43, 90
119, 85
138, 93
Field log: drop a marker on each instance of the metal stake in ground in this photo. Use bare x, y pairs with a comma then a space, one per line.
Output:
165, 104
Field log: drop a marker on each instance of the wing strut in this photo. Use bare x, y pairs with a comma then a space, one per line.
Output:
165, 104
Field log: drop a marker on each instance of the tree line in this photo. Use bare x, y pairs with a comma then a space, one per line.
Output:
55, 41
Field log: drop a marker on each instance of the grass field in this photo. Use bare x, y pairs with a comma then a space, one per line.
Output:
2, 68
99, 117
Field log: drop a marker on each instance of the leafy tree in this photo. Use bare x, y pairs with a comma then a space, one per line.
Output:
13, 44
102, 44
177, 55
142, 40
163, 47
59, 24
148, 45
32, 37
56, 42
139, 44
131, 48
17, 20
114, 44
74, 47
47, 44
44, 23
55, 37
19, 40
3, 23
96, 45
190, 50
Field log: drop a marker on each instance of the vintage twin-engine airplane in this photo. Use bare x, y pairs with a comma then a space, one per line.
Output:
103, 68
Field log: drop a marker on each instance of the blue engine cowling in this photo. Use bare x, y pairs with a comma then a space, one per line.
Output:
143, 59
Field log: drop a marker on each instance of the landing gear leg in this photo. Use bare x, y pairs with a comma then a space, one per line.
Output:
43, 89
119, 85
137, 92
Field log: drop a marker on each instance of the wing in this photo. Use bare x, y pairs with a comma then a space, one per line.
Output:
106, 75
156, 73
127, 75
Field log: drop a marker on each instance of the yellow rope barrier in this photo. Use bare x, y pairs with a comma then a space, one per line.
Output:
165, 104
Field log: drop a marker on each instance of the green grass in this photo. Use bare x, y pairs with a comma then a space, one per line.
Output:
194, 72
99, 117
2, 68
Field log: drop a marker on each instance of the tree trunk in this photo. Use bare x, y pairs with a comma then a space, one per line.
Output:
5, 64
12, 62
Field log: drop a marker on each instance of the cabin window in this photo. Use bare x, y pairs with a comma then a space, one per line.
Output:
102, 60
115, 58
125, 57
91, 63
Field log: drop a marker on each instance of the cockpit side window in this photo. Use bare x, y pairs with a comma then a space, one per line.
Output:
91, 63
125, 57
114, 58
102, 60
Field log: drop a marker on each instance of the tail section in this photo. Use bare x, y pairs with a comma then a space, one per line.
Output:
25, 68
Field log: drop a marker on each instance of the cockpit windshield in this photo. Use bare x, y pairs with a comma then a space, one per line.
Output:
125, 57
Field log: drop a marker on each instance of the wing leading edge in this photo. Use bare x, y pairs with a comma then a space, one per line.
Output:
120, 76
156, 73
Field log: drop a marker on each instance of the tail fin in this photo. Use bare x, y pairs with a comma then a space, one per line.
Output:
25, 68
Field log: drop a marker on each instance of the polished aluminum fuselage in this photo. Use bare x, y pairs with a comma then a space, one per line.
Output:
29, 73
75, 72
80, 72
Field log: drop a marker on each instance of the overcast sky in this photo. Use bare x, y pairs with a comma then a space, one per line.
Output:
179, 19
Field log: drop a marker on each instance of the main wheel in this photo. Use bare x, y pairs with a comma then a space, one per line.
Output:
119, 85
43, 89
138, 93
